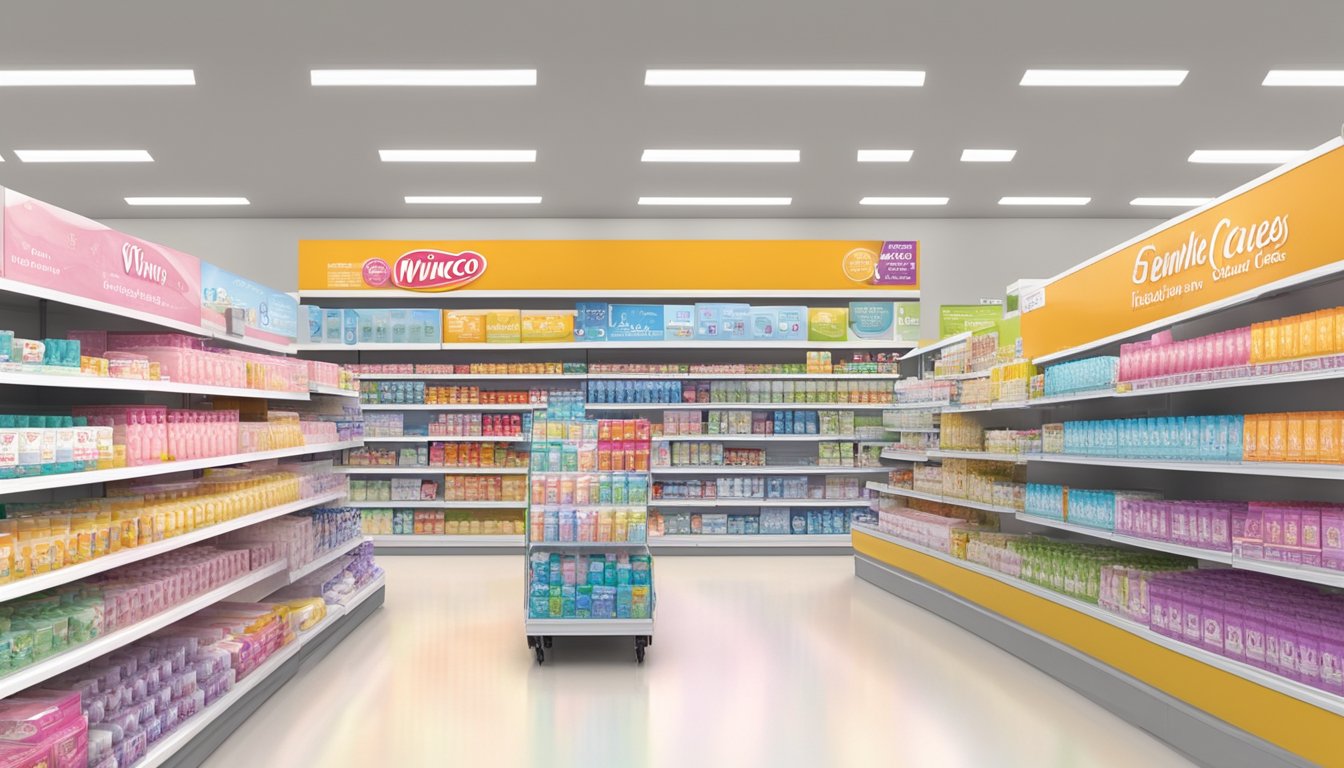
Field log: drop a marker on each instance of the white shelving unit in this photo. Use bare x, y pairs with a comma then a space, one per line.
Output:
439, 541
437, 504
767, 470
1300, 691
322, 389
48, 668
897, 455
325, 558
71, 573
601, 345
892, 490
357, 470
1010, 458
756, 503
165, 749
73, 479
448, 439
737, 406
761, 439
839, 542
742, 376
50, 378
465, 407
473, 377
1262, 469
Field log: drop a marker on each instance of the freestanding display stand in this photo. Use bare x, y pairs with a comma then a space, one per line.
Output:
588, 568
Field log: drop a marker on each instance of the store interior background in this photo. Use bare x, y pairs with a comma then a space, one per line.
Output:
307, 157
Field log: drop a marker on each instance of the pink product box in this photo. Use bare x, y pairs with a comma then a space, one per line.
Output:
326, 374
201, 367
1195, 359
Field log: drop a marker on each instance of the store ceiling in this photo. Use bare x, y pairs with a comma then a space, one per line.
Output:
253, 125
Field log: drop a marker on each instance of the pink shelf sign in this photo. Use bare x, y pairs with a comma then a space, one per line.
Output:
54, 249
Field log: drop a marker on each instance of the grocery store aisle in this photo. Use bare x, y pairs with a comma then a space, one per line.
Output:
756, 662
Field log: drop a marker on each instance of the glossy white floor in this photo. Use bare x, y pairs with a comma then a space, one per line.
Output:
756, 662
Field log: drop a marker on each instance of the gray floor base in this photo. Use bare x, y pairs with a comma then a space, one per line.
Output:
195, 752
1203, 738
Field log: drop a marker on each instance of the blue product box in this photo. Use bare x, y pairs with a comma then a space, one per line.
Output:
635, 322
872, 320
590, 321
762, 322
736, 321
716, 321
331, 326
679, 322
349, 326
790, 323
314, 323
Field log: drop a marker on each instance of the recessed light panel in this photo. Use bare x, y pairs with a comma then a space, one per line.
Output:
903, 201
424, 77
1307, 77
785, 77
83, 156
458, 155
1170, 202
715, 200
95, 77
473, 199
720, 156
1102, 78
187, 201
885, 155
988, 155
1245, 156
1044, 200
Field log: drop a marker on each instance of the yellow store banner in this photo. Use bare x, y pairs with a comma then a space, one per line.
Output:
1286, 228
640, 266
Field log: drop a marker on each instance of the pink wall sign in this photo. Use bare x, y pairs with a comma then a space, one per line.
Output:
898, 263
50, 248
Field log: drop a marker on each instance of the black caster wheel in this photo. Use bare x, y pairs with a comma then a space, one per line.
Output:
546, 641
541, 654
640, 643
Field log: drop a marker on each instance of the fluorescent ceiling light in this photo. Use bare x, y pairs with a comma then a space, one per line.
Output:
187, 201
48, 77
1245, 156
1305, 77
797, 77
445, 77
458, 155
1104, 77
885, 155
473, 199
988, 155
903, 201
1044, 200
720, 156
1170, 202
83, 156
715, 200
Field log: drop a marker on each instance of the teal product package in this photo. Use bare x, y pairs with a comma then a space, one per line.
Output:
679, 322
635, 322
872, 320
720, 322
313, 315
790, 323
349, 326
331, 326
590, 321
762, 322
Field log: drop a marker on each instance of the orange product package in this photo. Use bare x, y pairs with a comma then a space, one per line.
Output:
1249, 447
1278, 437
1325, 332
1292, 442
1311, 431
1306, 335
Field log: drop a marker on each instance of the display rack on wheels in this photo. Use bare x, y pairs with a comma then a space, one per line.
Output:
588, 568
